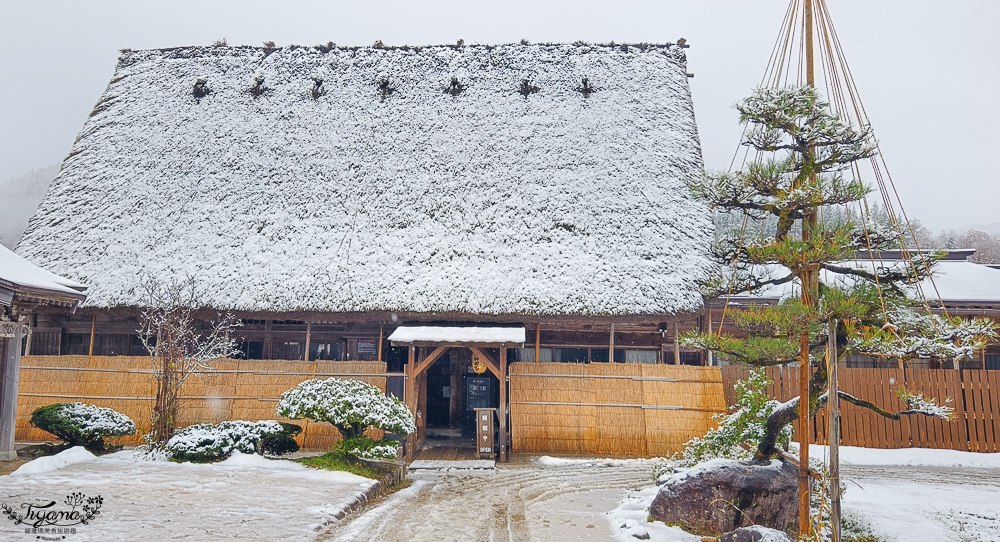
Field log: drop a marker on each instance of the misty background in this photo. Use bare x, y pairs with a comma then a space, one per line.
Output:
927, 72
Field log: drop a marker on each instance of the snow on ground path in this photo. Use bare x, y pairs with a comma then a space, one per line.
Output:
518, 502
246, 497
927, 503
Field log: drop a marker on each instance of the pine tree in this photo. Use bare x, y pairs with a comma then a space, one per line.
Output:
803, 152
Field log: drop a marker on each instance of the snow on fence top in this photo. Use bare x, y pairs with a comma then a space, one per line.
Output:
442, 334
475, 179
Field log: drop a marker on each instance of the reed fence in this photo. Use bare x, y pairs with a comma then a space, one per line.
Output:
611, 408
237, 390
974, 394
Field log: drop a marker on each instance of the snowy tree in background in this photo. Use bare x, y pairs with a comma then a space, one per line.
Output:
180, 345
803, 151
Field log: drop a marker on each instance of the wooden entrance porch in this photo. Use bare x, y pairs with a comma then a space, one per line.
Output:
486, 349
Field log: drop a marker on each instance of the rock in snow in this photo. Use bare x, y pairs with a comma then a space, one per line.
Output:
721, 495
755, 534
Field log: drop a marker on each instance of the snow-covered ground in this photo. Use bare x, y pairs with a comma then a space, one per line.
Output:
909, 495
244, 497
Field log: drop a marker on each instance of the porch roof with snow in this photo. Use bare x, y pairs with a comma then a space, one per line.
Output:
458, 336
360, 179
22, 279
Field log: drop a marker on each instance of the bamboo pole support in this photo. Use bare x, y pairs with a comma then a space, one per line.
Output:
809, 284
834, 434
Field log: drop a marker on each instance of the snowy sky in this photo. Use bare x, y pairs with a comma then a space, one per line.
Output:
928, 73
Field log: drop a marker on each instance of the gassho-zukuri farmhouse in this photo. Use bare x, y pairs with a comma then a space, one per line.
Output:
465, 226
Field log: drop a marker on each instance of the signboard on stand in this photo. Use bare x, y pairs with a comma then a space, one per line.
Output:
485, 424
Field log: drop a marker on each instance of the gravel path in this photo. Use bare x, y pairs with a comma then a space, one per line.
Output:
516, 502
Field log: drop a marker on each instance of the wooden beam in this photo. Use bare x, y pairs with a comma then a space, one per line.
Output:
381, 331
430, 359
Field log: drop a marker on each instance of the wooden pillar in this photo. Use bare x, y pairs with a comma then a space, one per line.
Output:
11, 366
93, 327
504, 407
677, 345
410, 394
611, 345
308, 337
381, 330
538, 341
710, 355
27, 346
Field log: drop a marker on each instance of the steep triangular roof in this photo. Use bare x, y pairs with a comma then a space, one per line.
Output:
382, 190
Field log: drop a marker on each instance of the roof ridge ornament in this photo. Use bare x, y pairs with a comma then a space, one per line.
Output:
527, 88
201, 89
454, 87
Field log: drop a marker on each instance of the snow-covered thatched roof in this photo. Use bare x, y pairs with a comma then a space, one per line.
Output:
385, 187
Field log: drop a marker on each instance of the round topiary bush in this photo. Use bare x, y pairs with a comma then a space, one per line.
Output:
206, 442
82, 425
351, 406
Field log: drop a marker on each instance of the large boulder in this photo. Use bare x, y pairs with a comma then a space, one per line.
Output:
722, 495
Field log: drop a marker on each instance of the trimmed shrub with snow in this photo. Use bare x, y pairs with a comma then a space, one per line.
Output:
366, 448
209, 442
740, 431
350, 405
82, 425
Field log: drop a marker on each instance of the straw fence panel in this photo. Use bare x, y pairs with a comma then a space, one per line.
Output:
972, 394
610, 409
237, 390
